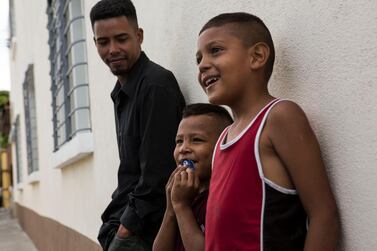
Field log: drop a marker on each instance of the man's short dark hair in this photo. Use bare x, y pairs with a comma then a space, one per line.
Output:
207, 109
113, 8
247, 27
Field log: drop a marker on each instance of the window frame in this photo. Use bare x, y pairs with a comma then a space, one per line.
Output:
16, 150
69, 82
31, 122
65, 89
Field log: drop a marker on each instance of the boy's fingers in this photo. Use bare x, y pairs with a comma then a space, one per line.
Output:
184, 176
170, 180
190, 176
177, 176
173, 173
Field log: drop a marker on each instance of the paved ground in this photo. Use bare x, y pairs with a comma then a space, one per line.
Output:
12, 238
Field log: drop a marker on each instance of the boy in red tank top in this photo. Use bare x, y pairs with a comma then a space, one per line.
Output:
183, 224
269, 189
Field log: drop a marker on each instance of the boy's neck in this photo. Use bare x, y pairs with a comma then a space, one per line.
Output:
246, 108
254, 96
203, 185
249, 105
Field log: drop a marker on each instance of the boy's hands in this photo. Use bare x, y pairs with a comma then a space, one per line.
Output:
168, 188
185, 187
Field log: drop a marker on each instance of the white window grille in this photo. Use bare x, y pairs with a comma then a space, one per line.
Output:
68, 59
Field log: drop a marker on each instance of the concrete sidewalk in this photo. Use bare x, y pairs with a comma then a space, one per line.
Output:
12, 238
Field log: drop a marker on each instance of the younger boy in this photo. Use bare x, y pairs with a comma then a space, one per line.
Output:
269, 189
187, 189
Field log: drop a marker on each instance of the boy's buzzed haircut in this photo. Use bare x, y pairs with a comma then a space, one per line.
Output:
249, 28
207, 109
114, 8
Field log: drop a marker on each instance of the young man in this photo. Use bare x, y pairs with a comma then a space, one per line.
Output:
269, 189
187, 189
148, 105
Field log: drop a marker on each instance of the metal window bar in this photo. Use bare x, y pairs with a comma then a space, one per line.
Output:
64, 58
52, 37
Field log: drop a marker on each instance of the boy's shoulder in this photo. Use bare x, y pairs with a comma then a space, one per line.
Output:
286, 116
286, 109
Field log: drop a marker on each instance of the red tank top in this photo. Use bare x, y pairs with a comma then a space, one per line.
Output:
238, 199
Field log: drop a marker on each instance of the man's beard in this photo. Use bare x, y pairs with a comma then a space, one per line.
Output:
119, 72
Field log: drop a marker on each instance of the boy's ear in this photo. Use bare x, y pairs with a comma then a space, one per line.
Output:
259, 54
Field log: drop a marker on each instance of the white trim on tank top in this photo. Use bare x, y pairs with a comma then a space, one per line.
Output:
258, 158
239, 136
217, 143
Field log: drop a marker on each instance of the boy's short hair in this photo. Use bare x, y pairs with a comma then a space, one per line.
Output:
114, 8
208, 109
249, 28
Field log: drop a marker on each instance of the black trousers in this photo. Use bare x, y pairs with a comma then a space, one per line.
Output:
131, 243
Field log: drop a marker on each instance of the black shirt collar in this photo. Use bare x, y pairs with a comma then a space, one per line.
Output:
133, 75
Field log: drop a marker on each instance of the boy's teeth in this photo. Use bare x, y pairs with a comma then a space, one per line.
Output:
211, 80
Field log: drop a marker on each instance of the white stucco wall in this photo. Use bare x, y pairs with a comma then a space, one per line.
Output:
325, 61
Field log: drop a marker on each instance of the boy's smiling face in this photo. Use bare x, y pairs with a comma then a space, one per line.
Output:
224, 65
195, 140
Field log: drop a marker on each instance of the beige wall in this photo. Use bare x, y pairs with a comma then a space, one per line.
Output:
325, 61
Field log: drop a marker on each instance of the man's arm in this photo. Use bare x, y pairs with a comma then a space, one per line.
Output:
297, 147
159, 115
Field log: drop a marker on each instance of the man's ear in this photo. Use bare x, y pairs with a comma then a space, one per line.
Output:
259, 54
140, 35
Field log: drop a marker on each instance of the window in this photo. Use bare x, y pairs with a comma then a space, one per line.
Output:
68, 59
30, 121
17, 149
12, 26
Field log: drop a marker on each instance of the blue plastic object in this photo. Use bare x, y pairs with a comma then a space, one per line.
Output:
189, 163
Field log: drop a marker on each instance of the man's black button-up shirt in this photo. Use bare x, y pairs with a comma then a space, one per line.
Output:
148, 110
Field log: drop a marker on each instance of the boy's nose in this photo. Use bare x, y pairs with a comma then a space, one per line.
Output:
185, 148
203, 64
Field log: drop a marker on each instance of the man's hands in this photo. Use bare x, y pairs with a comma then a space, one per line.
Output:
181, 189
123, 232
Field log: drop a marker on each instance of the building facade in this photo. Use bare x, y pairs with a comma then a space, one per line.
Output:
63, 134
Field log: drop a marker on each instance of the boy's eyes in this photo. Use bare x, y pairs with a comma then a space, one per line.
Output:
197, 140
198, 59
194, 140
215, 50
